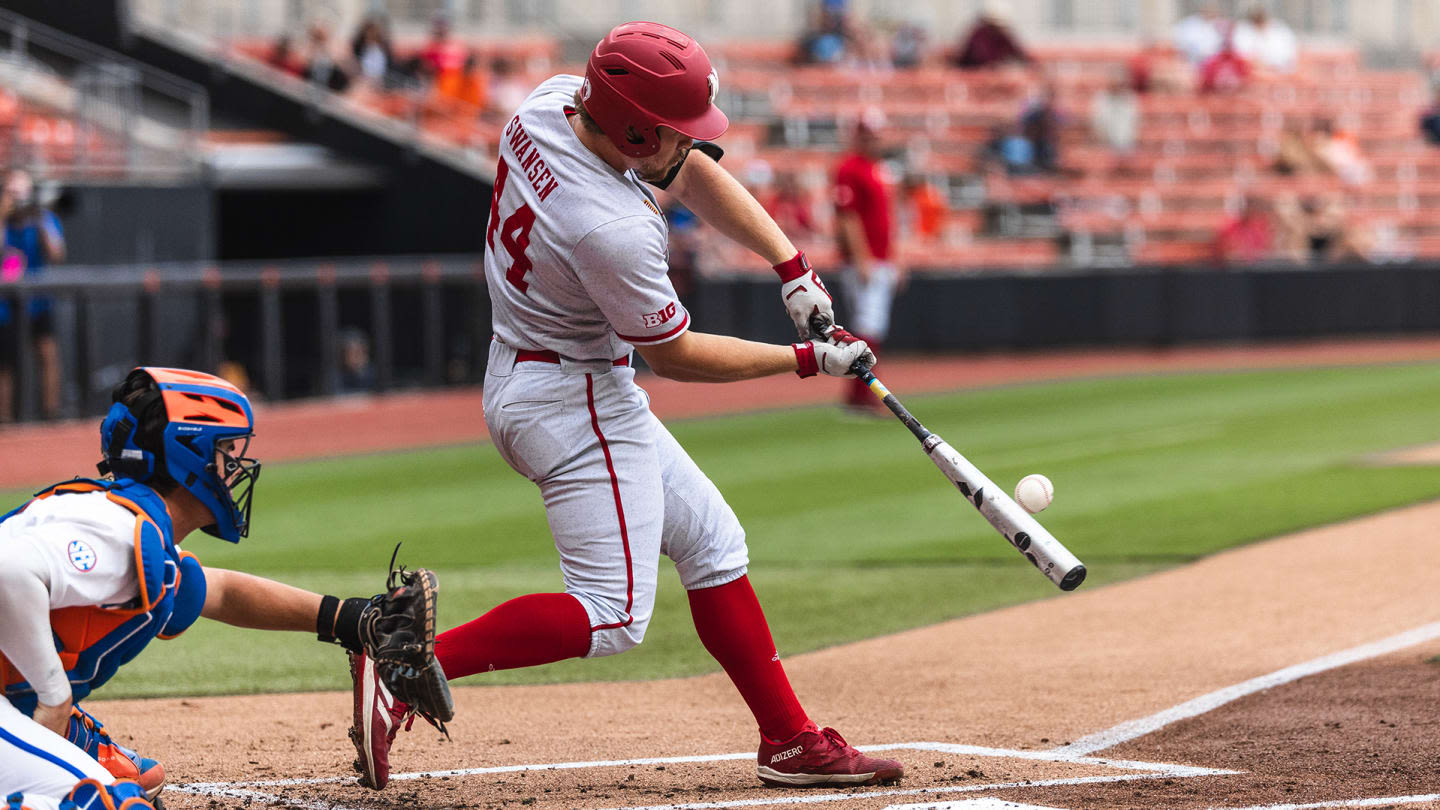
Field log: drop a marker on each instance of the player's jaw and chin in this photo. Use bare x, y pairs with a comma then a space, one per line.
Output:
673, 149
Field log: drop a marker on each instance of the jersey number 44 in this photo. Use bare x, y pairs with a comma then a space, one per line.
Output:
514, 234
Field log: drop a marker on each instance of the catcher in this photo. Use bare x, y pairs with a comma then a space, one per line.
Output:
94, 571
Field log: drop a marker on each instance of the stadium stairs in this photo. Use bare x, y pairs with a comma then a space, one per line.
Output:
421, 195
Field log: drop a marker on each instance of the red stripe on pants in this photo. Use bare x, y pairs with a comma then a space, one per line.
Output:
619, 507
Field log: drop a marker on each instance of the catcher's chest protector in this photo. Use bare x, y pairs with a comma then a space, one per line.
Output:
94, 641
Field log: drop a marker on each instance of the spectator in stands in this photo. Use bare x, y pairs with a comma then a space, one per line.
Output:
1040, 124
464, 87
1295, 153
791, 206
371, 50
441, 54
1247, 237
1007, 150
322, 67
1201, 35
507, 89
907, 46
1225, 72
1430, 122
1340, 151
357, 372
865, 235
1267, 43
925, 208
686, 246
283, 57
1115, 115
33, 241
829, 38
1318, 229
989, 43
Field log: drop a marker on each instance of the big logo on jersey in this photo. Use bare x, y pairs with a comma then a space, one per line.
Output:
654, 319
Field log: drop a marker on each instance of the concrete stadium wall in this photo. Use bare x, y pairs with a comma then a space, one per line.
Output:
1156, 306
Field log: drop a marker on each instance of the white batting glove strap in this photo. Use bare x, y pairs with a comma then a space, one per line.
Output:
804, 294
836, 360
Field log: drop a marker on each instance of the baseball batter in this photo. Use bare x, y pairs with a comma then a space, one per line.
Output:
576, 269
94, 571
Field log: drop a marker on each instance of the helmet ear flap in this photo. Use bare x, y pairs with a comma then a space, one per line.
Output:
131, 435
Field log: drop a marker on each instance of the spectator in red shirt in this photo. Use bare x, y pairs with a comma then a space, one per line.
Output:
1247, 237
989, 43
1225, 72
790, 206
441, 55
864, 218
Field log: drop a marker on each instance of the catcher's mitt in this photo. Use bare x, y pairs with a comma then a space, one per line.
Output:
398, 631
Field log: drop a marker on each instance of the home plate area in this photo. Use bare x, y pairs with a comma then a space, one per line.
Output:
691, 783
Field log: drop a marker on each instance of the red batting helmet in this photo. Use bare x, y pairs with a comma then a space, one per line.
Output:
645, 74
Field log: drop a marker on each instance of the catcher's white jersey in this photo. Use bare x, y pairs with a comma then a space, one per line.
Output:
82, 548
576, 251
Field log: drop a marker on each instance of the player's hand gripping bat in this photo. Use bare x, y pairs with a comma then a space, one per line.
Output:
1015, 524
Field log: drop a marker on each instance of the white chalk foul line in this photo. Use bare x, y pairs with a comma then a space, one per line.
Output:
820, 798
1138, 728
1075, 752
1160, 768
1379, 802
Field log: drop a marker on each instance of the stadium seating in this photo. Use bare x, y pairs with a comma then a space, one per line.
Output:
1163, 203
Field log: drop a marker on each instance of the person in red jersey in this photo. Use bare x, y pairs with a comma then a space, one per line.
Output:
865, 232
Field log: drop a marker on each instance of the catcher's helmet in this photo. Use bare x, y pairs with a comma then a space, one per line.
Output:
165, 427
643, 75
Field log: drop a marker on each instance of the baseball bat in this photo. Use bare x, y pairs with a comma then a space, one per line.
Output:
1016, 525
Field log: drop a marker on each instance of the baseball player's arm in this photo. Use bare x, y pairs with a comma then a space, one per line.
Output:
700, 357
719, 199
26, 639
245, 600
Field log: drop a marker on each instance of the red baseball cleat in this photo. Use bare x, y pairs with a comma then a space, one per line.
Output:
378, 716
820, 757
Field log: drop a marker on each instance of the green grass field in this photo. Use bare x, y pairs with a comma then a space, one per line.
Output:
1150, 472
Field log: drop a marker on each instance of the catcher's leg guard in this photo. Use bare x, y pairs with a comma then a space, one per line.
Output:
90, 736
89, 794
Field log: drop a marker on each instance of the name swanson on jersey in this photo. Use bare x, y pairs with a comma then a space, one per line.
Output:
527, 157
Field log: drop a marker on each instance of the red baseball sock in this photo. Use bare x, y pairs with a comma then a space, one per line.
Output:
524, 632
732, 627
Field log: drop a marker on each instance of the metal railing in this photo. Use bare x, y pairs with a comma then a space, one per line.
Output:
129, 119
425, 322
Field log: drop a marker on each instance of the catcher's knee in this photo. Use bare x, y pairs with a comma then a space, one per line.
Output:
125, 794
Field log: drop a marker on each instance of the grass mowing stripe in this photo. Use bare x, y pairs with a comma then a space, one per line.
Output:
1149, 471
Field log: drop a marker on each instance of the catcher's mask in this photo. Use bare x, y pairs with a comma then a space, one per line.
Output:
186, 428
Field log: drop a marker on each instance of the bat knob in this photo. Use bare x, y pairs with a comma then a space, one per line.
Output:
1073, 578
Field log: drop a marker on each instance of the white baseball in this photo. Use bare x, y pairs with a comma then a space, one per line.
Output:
1034, 493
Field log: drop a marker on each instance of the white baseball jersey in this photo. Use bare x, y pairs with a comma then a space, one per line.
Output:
81, 546
577, 250
577, 266
82, 549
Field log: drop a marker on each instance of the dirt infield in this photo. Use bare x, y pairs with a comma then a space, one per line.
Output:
1068, 702
1295, 672
33, 455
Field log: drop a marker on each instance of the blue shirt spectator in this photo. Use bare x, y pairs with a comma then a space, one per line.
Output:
34, 232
